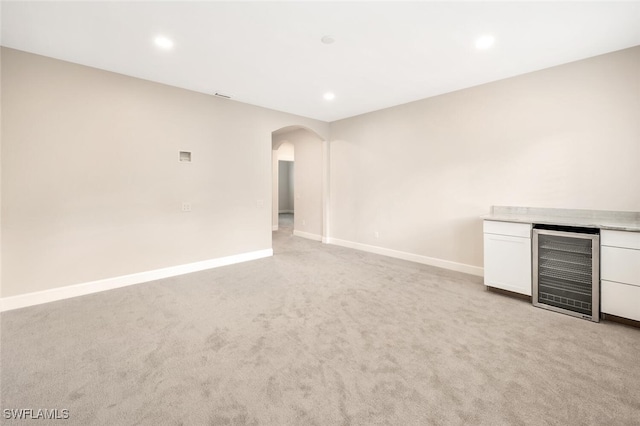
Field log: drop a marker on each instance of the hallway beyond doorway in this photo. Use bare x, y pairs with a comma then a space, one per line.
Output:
285, 223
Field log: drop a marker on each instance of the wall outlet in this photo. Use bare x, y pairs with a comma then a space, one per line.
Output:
186, 207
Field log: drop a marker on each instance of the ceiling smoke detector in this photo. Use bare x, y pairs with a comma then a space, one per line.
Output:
328, 39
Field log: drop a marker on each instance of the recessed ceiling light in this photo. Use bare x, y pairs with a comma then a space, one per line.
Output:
163, 42
485, 42
327, 39
329, 96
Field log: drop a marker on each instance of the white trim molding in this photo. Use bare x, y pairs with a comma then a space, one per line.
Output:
432, 261
308, 235
66, 292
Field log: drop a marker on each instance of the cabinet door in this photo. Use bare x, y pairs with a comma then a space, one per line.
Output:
619, 299
620, 265
507, 263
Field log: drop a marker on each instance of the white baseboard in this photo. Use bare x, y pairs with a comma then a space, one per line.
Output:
440, 263
314, 237
39, 297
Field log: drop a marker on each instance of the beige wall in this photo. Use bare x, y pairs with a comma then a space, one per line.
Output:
92, 186
307, 179
421, 174
286, 152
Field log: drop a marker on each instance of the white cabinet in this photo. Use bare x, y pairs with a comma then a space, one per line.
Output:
620, 299
507, 256
620, 273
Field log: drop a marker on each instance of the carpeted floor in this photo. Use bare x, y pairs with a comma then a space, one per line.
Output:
317, 335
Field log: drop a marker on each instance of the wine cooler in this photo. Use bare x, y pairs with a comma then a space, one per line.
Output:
566, 270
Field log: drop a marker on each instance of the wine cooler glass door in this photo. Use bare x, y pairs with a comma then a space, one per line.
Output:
566, 276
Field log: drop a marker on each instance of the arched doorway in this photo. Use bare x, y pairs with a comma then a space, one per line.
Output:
310, 180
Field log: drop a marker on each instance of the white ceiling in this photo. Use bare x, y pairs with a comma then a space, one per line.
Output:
270, 54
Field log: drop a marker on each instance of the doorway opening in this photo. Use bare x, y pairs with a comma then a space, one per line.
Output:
286, 187
300, 163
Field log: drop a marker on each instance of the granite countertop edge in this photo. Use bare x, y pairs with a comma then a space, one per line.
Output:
566, 221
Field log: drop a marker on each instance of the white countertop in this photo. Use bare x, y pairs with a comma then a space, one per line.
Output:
620, 221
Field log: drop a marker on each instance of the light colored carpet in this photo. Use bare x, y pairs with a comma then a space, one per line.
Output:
285, 223
317, 335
